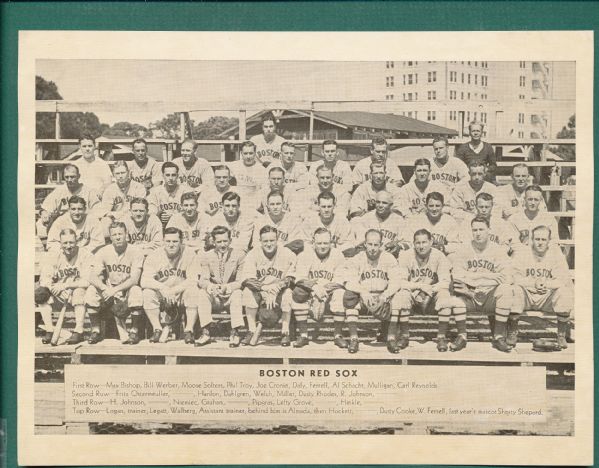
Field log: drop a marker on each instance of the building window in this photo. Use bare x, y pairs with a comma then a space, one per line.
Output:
415, 96
462, 77
390, 64
475, 79
483, 117
483, 80
476, 64
522, 64
410, 78
520, 134
410, 64
468, 63
432, 77
431, 115
410, 114
520, 118
451, 115
415, 114
522, 81
404, 96
452, 95
404, 79
416, 78
468, 78
453, 76
468, 96
468, 118
389, 82
409, 96
474, 118
462, 95
521, 96
432, 95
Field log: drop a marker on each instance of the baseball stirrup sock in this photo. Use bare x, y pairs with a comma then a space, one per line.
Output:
353, 329
302, 327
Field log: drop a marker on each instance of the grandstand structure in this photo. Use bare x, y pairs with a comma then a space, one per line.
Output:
51, 156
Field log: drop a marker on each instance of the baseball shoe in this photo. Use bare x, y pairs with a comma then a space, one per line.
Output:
392, 346
234, 339
561, 341
75, 338
403, 342
354, 345
442, 344
301, 342
381, 335
569, 334
458, 344
95, 337
155, 338
316, 331
512, 333
133, 338
500, 345
285, 340
204, 339
188, 337
340, 342
47, 337
247, 339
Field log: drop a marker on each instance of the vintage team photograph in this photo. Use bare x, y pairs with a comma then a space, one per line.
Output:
356, 251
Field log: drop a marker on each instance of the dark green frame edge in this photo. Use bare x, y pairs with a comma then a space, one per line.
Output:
254, 16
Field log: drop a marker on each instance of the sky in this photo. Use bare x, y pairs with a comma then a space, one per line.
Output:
162, 80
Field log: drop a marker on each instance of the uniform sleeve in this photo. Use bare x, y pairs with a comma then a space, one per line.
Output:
153, 201
96, 236
53, 241
207, 174
403, 262
357, 175
155, 233
245, 234
444, 272
138, 260
47, 261
50, 203
84, 270
393, 284
359, 201
98, 267
107, 203
302, 270
346, 236
156, 174
340, 271
291, 263
561, 269
249, 267
150, 267
461, 169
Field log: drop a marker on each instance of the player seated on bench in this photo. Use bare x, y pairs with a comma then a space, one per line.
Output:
482, 281
114, 278
372, 281
318, 288
63, 280
542, 282
268, 273
425, 277
167, 282
219, 288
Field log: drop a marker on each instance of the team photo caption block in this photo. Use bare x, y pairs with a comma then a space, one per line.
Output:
286, 394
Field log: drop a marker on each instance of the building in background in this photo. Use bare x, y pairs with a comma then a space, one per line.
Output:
514, 99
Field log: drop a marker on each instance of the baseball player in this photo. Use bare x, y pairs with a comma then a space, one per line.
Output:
378, 154
510, 197
306, 200
210, 198
240, 223
193, 171
267, 274
478, 150
425, 277
219, 286
168, 280
87, 229
342, 235
64, 279
542, 282
276, 183
287, 224
526, 220
363, 199
268, 143
95, 172
189, 221
116, 197
463, 197
482, 280
144, 170
445, 169
165, 199
372, 279
391, 225
143, 229
443, 228
342, 172
250, 175
57, 201
316, 282
296, 172
412, 196
114, 278
500, 232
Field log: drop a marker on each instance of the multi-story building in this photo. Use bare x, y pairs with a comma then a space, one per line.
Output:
513, 99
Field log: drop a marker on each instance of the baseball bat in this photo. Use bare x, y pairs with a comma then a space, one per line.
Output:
256, 335
58, 326
166, 331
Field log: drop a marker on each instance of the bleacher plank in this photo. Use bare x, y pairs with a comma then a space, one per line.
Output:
417, 352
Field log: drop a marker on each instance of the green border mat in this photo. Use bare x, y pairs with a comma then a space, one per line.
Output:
258, 16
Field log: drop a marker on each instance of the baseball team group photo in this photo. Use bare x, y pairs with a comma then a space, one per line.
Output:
399, 212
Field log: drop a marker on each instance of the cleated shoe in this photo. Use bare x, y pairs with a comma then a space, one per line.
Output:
458, 344
188, 337
301, 342
75, 338
392, 346
234, 340
500, 345
155, 338
95, 337
403, 342
340, 342
354, 345
133, 338
285, 340
442, 344
47, 338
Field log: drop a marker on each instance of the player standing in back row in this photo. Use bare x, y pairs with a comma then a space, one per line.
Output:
268, 143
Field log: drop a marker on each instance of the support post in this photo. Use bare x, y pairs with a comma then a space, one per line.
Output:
57, 125
242, 125
182, 125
